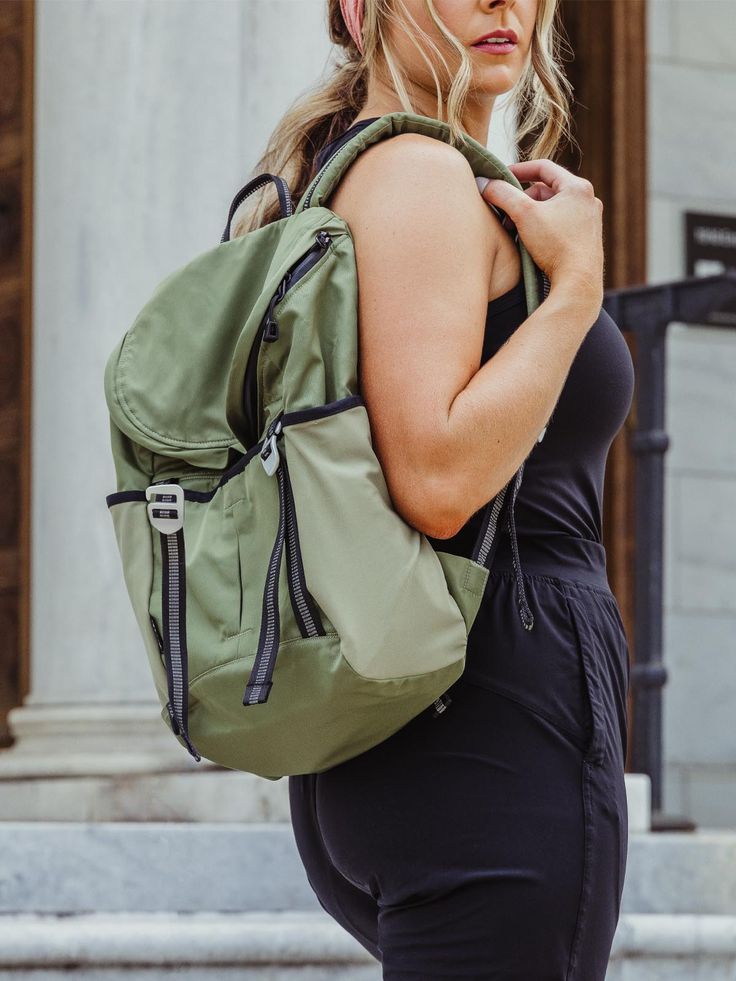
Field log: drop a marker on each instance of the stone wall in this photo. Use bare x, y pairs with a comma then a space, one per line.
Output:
692, 145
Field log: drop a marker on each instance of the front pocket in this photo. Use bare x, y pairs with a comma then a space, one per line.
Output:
212, 575
133, 536
623, 645
580, 619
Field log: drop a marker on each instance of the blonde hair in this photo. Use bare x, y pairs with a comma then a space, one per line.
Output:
541, 97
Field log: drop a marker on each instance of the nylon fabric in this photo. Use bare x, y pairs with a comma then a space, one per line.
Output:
234, 402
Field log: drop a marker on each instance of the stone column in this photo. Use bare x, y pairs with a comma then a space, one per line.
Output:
149, 116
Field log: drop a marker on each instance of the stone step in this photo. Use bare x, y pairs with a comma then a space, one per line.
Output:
662, 947
30, 792
305, 947
196, 946
66, 867
67, 786
681, 872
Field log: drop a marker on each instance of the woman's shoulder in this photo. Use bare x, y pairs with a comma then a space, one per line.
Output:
421, 191
410, 171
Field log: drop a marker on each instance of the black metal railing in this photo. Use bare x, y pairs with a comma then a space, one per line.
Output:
647, 311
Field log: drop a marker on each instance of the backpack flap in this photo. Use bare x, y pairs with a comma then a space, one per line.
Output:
166, 381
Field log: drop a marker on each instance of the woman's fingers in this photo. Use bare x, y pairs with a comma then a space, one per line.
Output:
564, 237
538, 191
548, 172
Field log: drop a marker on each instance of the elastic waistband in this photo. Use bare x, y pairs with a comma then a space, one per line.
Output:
561, 556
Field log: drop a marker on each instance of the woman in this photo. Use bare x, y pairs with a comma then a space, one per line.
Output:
488, 839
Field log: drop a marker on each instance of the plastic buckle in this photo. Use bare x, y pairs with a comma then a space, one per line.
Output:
270, 456
166, 507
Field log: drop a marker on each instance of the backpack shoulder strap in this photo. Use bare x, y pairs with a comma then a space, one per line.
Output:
482, 161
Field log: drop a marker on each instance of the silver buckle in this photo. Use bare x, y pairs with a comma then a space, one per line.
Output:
165, 507
270, 456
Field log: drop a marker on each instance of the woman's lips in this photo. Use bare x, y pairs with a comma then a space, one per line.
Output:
493, 47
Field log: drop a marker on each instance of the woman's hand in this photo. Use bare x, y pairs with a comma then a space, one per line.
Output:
559, 220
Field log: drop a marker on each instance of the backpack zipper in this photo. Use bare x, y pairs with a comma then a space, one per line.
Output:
302, 267
269, 328
159, 638
259, 682
305, 611
318, 175
310, 624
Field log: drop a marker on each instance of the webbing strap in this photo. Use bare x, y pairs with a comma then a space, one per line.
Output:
487, 540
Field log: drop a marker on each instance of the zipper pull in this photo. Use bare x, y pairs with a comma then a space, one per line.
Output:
270, 456
271, 330
271, 327
440, 705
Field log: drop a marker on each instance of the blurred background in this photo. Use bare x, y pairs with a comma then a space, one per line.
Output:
126, 126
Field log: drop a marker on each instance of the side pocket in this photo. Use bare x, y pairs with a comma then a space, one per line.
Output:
595, 748
624, 640
135, 544
377, 582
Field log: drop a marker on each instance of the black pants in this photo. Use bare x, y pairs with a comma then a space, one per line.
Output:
490, 841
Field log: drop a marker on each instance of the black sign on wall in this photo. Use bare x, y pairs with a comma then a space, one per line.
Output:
710, 248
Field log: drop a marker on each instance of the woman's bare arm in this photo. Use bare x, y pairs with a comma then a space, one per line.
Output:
448, 433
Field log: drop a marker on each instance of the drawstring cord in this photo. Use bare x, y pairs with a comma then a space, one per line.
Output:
527, 617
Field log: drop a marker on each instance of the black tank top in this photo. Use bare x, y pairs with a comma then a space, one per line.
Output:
561, 493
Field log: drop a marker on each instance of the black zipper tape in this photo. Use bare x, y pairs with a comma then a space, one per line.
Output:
259, 684
269, 329
175, 634
159, 638
305, 609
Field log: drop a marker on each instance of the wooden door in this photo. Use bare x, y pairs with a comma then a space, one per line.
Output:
16, 171
604, 56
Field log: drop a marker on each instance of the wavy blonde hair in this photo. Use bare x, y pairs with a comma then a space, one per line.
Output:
541, 97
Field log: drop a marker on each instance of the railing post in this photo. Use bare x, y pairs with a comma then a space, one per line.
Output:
648, 311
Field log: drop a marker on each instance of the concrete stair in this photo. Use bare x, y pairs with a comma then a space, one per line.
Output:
225, 900
202, 946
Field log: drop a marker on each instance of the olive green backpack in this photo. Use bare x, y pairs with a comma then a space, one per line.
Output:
292, 619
